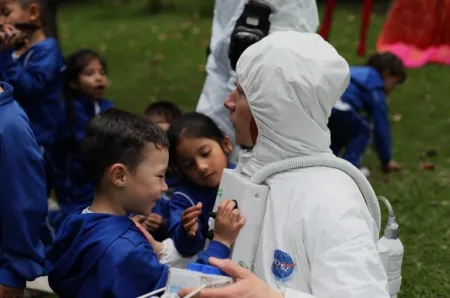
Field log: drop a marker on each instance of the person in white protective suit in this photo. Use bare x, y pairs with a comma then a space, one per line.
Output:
318, 238
232, 23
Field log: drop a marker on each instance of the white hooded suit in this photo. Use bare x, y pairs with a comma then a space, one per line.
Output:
318, 238
296, 15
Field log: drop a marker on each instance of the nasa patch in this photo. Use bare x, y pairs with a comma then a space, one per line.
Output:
282, 265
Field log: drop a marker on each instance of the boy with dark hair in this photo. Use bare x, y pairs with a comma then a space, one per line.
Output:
162, 113
33, 65
99, 251
367, 91
23, 199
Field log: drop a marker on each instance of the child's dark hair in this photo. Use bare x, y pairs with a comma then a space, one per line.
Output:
165, 109
387, 61
117, 136
192, 125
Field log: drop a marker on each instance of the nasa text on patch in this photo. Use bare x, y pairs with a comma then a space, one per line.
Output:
282, 266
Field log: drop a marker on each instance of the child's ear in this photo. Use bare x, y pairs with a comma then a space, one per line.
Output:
227, 145
117, 174
34, 10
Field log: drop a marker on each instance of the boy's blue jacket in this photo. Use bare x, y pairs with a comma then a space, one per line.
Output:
102, 255
23, 196
72, 186
185, 196
37, 77
366, 93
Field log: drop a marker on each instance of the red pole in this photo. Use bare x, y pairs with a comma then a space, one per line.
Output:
365, 22
327, 19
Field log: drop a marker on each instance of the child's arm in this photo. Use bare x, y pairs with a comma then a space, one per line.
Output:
187, 245
382, 130
23, 205
33, 80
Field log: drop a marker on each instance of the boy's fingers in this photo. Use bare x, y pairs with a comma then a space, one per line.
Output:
190, 224
191, 216
234, 216
240, 223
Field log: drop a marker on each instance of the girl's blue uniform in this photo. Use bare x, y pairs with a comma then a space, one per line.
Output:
185, 196
72, 186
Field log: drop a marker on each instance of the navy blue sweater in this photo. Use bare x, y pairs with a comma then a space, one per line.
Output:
37, 78
23, 196
366, 94
72, 186
102, 255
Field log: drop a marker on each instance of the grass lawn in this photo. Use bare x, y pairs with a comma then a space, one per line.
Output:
163, 56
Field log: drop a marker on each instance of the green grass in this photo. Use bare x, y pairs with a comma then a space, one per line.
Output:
162, 57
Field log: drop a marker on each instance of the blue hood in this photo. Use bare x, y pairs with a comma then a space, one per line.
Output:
80, 243
366, 77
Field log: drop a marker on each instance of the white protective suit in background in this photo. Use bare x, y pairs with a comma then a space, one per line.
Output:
296, 15
318, 238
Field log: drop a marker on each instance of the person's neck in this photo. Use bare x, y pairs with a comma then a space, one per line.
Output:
35, 38
105, 203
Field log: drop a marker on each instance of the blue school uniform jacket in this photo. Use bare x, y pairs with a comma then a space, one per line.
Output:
185, 196
366, 94
102, 255
23, 196
37, 78
72, 187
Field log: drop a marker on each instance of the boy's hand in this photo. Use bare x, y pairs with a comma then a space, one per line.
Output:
10, 36
156, 245
7, 292
190, 219
391, 166
153, 222
228, 223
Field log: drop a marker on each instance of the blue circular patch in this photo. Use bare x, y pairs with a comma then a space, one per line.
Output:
282, 266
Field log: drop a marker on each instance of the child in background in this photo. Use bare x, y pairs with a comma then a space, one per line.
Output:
369, 86
199, 150
33, 64
99, 251
162, 113
84, 90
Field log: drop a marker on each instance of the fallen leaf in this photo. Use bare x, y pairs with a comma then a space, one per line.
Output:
158, 57
196, 16
350, 18
196, 30
162, 37
102, 48
397, 118
186, 25
200, 68
427, 166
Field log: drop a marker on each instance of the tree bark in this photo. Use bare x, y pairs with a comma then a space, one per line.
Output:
51, 18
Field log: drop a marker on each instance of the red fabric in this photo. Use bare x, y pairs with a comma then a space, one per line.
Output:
418, 31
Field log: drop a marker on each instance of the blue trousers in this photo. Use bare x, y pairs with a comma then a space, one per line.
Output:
350, 132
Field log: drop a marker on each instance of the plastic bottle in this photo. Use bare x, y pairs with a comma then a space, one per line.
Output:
391, 240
